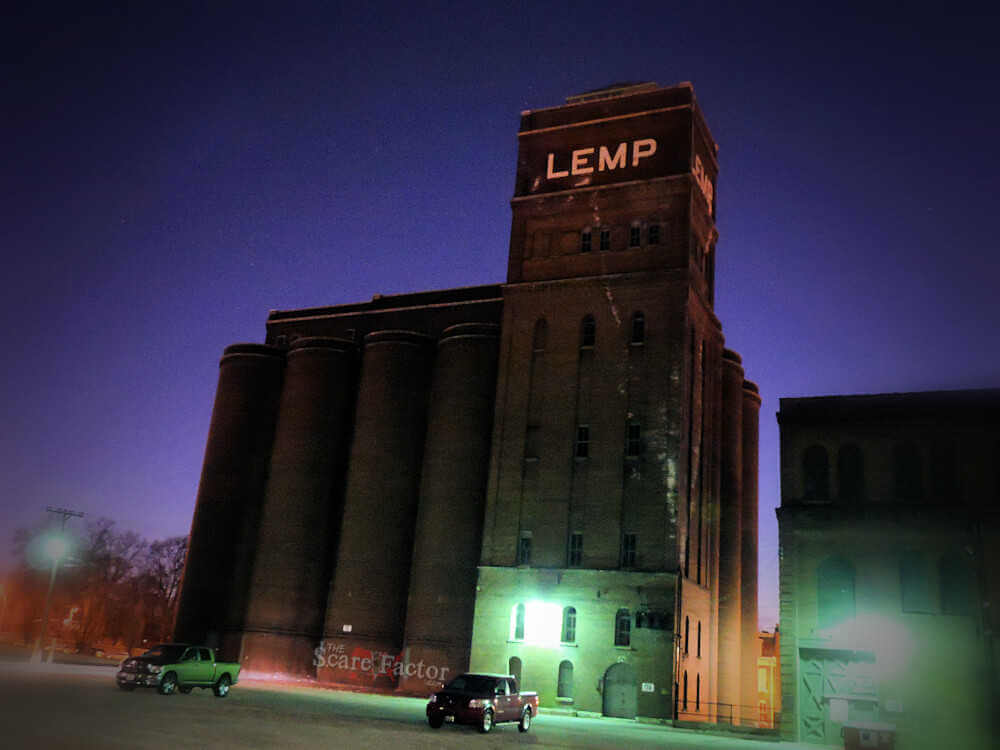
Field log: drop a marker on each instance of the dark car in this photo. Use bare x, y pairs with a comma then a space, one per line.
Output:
482, 700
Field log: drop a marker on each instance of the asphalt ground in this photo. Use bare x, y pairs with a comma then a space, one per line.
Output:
79, 706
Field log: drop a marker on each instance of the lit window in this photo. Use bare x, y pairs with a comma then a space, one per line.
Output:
585, 246
634, 235
623, 628
575, 550
633, 440
517, 623
588, 332
628, 551
653, 234
638, 328
605, 239
524, 548
569, 625
582, 449
565, 685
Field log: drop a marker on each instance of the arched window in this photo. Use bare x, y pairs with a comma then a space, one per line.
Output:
915, 583
850, 473
588, 332
514, 669
569, 625
698, 652
834, 591
687, 633
816, 473
638, 328
540, 338
564, 688
623, 628
957, 588
517, 622
697, 692
685, 701
907, 472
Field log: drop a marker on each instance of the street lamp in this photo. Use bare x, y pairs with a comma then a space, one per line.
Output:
54, 547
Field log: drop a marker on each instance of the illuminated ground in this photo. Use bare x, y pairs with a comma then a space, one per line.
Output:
78, 706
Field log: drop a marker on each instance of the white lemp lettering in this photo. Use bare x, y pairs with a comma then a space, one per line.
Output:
551, 174
579, 162
642, 149
581, 159
605, 161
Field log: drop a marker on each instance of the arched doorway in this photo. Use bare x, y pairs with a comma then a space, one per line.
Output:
514, 668
620, 691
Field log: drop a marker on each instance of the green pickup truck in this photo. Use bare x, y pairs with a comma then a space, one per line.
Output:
170, 667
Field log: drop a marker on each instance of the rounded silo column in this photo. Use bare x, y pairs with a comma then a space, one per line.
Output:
287, 597
446, 543
748, 536
366, 609
730, 522
216, 569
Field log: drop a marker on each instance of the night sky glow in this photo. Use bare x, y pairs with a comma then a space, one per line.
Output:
170, 175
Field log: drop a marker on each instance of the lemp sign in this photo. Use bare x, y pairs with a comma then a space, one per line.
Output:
601, 158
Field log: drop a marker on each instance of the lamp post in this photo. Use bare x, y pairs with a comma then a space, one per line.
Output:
54, 548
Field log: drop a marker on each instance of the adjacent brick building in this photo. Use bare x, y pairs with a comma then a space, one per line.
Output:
554, 476
889, 537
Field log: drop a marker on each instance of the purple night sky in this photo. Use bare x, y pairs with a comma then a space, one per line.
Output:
169, 178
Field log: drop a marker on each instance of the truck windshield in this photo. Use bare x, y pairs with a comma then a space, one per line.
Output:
168, 652
472, 683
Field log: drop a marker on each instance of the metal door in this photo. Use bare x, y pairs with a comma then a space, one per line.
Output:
621, 695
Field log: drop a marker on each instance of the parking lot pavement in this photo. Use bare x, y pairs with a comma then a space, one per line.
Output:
69, 706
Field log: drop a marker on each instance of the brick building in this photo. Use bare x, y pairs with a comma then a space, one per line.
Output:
554, 476
890, 557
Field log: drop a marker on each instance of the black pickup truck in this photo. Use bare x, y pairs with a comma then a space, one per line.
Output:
483, 700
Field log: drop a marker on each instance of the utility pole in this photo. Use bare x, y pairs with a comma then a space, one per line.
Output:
56, 552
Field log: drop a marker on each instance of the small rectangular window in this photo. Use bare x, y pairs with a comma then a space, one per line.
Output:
575, 550
582, 441
605, 240
524, 549
585, 241
633, 441
634, 235
628, 551
653, 234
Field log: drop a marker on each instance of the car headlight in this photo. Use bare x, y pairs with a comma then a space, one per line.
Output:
478, 703
434, 699
153, 668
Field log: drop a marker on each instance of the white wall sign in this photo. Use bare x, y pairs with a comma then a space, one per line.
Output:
648, 687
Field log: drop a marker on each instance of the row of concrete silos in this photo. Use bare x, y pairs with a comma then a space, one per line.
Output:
340, 505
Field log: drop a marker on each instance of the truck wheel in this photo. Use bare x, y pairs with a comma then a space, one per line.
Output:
525, 724
487, 722
435, 721
185, 689
168, 684
221, 688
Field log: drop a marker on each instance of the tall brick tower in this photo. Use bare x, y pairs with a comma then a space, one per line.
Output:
613, 515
